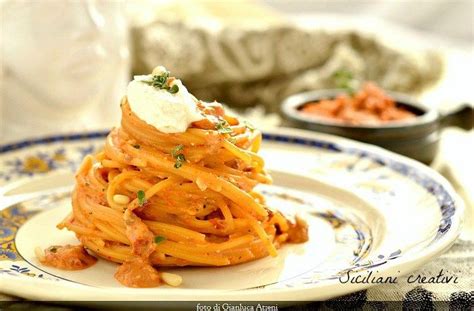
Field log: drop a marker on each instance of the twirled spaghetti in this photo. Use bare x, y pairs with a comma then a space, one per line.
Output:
153, 199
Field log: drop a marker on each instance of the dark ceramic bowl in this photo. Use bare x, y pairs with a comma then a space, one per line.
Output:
416, 138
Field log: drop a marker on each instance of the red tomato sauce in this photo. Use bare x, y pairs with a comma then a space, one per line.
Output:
370, 105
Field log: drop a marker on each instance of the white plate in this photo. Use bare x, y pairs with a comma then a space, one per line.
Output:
369, 211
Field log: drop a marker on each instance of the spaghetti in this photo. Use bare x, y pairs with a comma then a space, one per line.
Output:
152, 199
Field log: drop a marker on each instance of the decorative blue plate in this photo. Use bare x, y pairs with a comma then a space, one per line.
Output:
371, 214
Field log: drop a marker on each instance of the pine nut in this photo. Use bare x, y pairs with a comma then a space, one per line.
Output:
201, 184
171, 279
121, 199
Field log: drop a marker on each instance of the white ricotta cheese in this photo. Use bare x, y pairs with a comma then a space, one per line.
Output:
168, 113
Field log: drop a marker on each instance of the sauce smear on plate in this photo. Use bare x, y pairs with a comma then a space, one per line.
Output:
68, 257
137, 273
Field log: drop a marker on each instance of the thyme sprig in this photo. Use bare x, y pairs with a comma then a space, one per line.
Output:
160, 81
178, 155
223, 127
344, 79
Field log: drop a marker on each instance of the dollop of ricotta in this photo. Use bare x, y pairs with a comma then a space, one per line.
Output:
167, 112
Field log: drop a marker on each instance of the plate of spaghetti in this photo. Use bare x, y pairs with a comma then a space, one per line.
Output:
183, 201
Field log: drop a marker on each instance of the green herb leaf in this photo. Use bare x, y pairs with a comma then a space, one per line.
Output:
160, 82
249, 126
159, 239
141, 197
344, 79
174, 89
223, 127
177, 150
180, 159
176, 153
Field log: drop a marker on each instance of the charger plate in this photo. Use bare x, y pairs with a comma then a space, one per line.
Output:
372, 214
